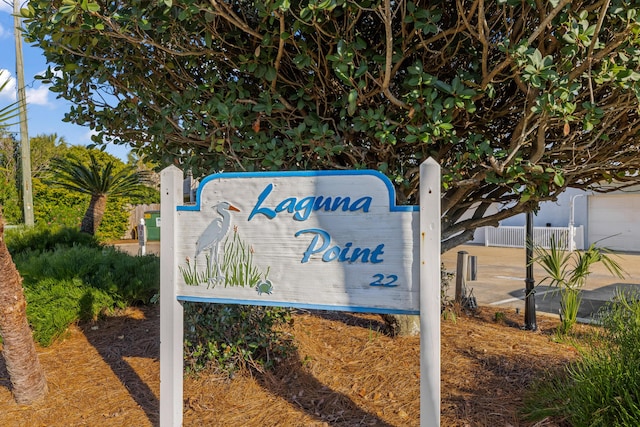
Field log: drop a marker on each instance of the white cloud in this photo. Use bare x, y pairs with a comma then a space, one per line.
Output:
4, 32
9, 91
38, 96
35, 96
89, 134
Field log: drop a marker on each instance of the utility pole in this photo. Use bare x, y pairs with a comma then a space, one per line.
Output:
25, 148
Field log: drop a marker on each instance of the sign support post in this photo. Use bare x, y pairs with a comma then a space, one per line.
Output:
171, 312
429, 306
321, 222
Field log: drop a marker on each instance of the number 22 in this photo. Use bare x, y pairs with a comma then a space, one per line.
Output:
386, 281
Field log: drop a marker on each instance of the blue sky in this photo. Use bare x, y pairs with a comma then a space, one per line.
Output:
44, 111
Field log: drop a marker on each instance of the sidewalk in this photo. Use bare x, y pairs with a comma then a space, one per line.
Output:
501, 274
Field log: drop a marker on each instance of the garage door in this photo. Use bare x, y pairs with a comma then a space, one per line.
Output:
614, 221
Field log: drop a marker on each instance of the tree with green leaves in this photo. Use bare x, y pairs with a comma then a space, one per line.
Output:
8, 156
45, 147
9, 184
517, 100
98, 180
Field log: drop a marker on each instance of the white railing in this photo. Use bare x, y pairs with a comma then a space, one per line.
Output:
515, 237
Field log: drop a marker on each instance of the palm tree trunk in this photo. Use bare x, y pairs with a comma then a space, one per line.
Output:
19, 351
95, 212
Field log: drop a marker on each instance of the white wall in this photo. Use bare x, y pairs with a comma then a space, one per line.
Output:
556, 214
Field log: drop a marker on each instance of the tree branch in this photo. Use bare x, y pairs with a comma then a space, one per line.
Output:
276, 63
386, 17
233, 19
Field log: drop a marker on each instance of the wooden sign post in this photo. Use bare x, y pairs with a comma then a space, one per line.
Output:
328, 240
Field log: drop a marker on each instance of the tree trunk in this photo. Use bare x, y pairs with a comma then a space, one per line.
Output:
19, 351
95, 212
403, 325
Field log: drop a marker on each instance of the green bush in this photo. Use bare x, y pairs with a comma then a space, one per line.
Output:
68, 276
54, 206
52, 305
128, 280
115, 223
603, 387
9, 200
57, 207
44, 237
233, 337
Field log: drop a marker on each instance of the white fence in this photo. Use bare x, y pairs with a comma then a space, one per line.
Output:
515, 237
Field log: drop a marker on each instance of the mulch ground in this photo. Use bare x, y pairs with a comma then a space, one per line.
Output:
345, 373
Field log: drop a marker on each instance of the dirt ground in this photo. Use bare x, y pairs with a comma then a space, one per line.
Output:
345, 373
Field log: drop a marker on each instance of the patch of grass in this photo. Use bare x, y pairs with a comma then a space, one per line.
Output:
77, 279
602, 388
43, 237
129, 280
237, 265
52, 305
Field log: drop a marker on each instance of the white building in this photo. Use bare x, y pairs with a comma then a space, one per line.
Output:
609, 220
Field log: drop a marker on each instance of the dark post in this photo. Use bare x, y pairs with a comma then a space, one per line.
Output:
529, 301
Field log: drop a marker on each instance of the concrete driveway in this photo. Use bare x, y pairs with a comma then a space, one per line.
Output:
500, 278
501, 273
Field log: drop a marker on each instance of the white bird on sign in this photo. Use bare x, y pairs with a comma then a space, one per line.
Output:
214, 233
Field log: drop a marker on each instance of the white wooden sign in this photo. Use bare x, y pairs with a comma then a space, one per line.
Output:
330, 240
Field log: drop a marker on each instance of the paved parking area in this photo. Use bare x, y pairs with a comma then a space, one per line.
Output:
132, 247
500, 278
501, 273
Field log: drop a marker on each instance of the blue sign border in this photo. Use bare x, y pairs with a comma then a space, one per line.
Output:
393, 207
303, 306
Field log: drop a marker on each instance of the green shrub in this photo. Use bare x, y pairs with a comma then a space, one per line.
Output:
603, 387
58, 207
568, 273
68, 276
115, 223
129, 280
52, 305
44, 237
9, 199
232, 337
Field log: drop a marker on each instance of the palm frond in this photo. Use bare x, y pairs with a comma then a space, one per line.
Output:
554, 261
8, 112
94, 177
